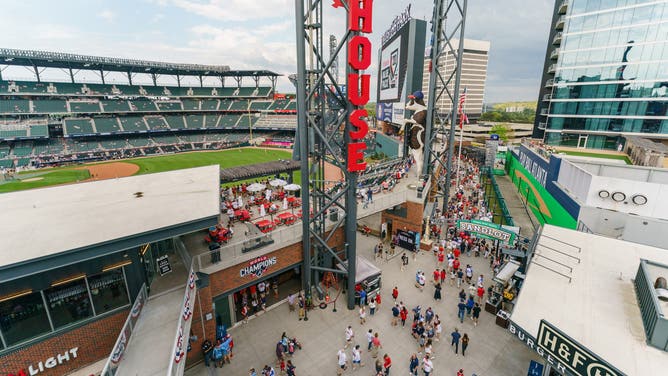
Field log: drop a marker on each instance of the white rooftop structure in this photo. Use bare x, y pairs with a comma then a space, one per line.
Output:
44, 222
581, 284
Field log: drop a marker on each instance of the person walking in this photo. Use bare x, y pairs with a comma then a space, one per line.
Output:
404, 315
349, 336
455, 340
465, 343
372, 307
395, 294
480, 292
469, 305
376, 345
476, 314
437, 292
460, 276
427, 366
460, 372
413, 364
362, 298
342, 359
461, 308
362, 315
404, 260
387, 364
369, 338
302, 307
395, 314
357, 357
438, 328
290, 369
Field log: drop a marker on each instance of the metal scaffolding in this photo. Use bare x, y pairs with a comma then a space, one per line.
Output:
322, 110
443, 40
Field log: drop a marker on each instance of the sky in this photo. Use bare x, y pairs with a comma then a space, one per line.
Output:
259, 34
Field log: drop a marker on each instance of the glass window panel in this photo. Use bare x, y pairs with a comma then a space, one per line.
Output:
604, 20
23, 318
108, 291
575, 24
68, 303
593, 5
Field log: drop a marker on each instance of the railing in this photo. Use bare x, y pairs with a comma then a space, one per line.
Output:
116, 356
177, 362
554, 54
494, 198
560, 22
557, 38
547, 97
549, 83
563, 6
552, 68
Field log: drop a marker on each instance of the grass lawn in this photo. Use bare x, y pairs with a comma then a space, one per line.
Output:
224, 158
55, 177
597, 155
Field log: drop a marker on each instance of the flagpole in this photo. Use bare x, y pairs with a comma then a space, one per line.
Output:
462, 116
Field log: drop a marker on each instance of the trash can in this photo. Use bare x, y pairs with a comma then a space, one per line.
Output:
333, 215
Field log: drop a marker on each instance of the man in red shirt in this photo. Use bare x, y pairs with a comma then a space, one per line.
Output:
395, 293
456, 264
456, 251
443, 275
387, 363
437, 275
480, 292
441, 257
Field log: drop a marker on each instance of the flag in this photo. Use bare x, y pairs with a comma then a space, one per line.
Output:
460, 110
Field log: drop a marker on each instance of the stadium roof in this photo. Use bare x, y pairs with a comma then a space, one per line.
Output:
101, 217
74, 61
583, 285
257, 170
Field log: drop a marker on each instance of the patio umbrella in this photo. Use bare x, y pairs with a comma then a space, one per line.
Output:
240, 202
278, 183
255, 187
285, 203
262, 211
292, 187
267, 194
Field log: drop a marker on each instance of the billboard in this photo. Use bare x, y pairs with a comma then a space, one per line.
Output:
400, 66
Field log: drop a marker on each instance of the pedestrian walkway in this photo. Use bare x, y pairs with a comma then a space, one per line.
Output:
522, 216
492, 350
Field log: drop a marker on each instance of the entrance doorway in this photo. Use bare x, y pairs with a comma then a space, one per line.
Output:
582, 141
164, 268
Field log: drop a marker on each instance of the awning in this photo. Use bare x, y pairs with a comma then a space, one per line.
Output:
506, 272
365, 269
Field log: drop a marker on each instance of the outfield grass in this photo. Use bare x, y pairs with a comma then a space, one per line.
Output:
54, 177
224, 158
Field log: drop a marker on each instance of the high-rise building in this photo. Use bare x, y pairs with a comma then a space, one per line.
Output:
606, 74
474, 73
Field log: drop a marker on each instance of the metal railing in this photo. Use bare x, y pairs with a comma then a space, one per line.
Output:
557, 38
116, 356
494, 198
177, 360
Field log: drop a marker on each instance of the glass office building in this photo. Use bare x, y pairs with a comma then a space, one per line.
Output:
606, 74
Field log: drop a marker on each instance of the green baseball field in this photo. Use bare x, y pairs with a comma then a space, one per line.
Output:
147, 165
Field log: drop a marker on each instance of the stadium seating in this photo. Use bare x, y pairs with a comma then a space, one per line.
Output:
133, 123
291, 106
246, 121
78, 126
170, 106
107, 124
15, 106
6, 163
240, 105
209, 104
22, 149
38, 131
115, 106
194, 121
85, 106
211, 120
175, 121
225, 104
4, 150
166, 140
190, 104
139, 142
49, 106
48, 148
143, 105
276, 121
78, 146
260, 105
113, 144
10, 131
156, 123
228, 120
278, 104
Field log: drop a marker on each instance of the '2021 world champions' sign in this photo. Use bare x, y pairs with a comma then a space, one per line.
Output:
486, 230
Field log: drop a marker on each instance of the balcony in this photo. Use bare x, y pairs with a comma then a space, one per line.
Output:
552, 68
557, 38
560, 23
547, 97
563, 7
549, 83
544, 111
555, 54
542, 125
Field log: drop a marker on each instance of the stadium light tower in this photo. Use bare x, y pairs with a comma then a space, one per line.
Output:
446, 86
326, 135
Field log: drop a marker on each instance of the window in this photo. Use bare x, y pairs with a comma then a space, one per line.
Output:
69, 303
23, 318
108, 290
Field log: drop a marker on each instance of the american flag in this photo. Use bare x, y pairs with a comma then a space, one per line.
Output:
460, 111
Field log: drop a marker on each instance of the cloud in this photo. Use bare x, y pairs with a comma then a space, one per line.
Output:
107, 15
157, 18
237, 10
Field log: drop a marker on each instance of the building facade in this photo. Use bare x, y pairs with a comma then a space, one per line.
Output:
474, 74
609, 67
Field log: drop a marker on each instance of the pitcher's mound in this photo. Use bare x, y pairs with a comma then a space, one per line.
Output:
111, 170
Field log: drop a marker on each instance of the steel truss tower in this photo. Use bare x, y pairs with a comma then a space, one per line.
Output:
443, 43
322, 131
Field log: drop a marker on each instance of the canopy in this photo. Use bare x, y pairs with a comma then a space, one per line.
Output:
507, 271
256, 187
364, 269
278, 183
292, 187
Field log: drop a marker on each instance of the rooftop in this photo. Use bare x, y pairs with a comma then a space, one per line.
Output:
584, 288
44, 222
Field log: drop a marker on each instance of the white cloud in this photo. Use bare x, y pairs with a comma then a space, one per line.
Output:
107, 15
237, 10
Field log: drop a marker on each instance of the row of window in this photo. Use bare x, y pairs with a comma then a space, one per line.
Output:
637, 34
32, 314
625, 90
616, 18
591, 141
614, 108
609, 125
603, 55
638, 72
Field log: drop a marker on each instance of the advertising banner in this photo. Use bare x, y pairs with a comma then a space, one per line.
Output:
389, 71
487, 230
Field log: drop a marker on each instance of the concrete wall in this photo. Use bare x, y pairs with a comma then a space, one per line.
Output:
618, 225
412, 221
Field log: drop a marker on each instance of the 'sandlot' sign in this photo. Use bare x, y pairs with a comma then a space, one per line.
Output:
577, 358
486, 230
360, 14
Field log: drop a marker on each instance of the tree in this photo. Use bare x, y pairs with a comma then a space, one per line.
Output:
504, 131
